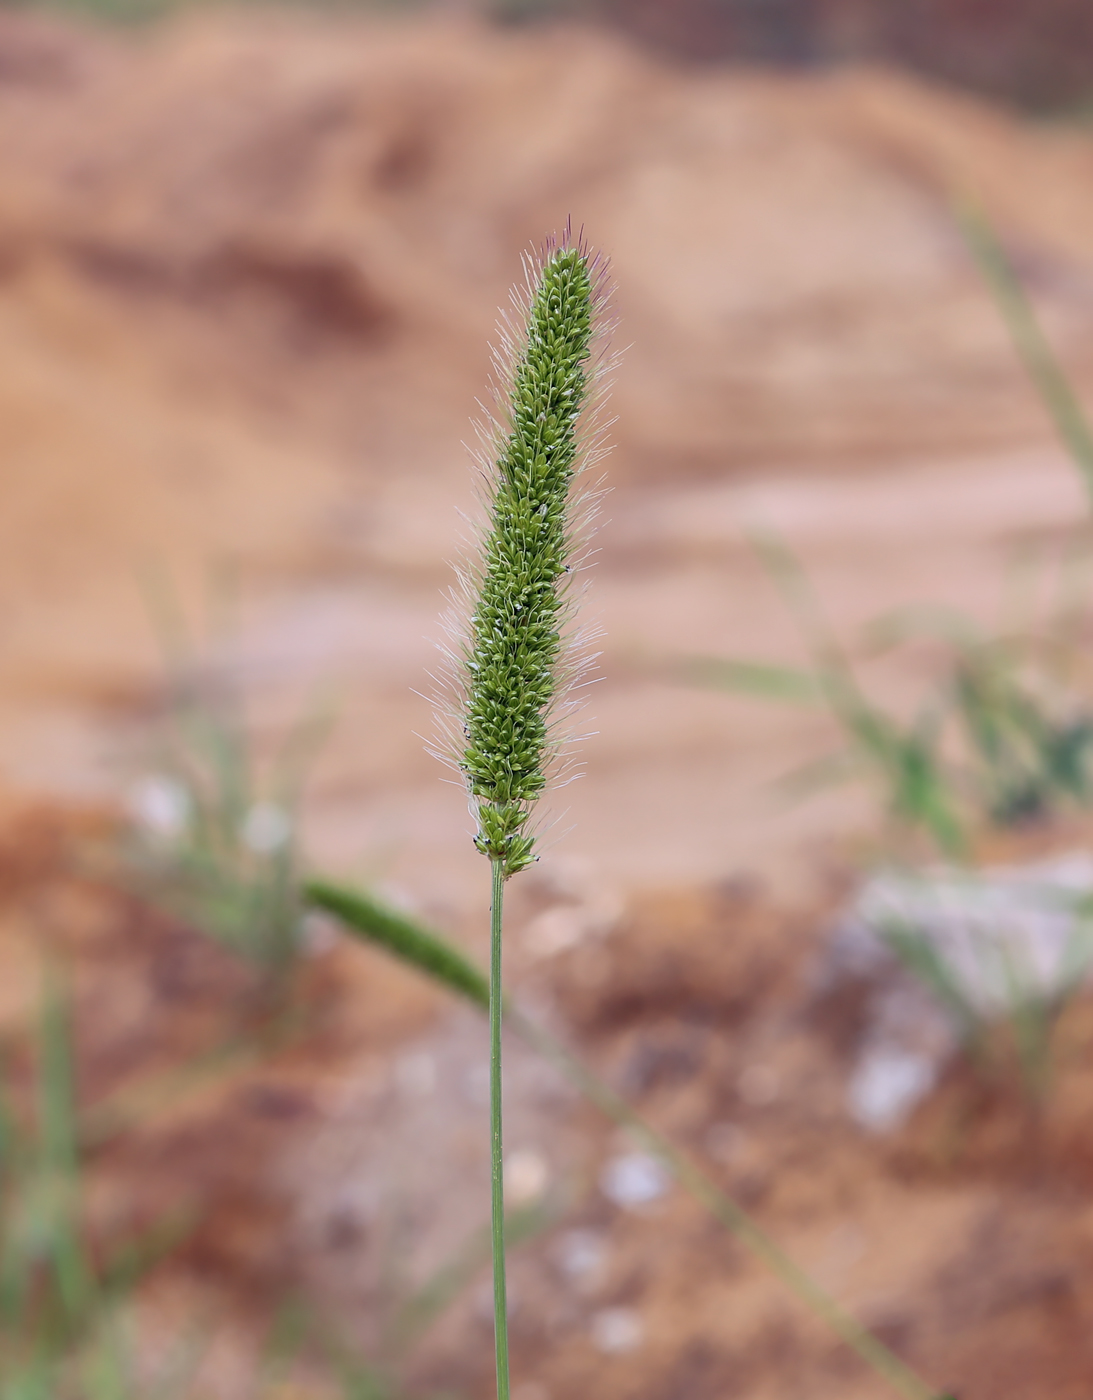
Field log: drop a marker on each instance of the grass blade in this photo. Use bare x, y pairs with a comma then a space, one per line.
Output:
401, 935
760, 678
1029, 339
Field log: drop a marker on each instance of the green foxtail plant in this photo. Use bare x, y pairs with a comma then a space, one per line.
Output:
517, 656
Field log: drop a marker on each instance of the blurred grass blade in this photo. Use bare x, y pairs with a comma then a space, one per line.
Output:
128, 1264
159, 1092
59, 1152
300, 750
224, 854
894, 629
56, 1110
907, 758
820, 773
753, 678
434, 956
283, 1346
453, 1276
785, 569
1028, 338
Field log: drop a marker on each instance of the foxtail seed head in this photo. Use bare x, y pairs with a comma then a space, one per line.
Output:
514, 657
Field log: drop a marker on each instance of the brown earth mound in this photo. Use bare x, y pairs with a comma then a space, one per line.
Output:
304, 195
248, 269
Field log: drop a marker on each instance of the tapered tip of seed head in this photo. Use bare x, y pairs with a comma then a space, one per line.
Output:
567, 246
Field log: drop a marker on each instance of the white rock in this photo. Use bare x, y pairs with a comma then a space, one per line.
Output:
634, 1180
943, 947
581, 1253
616, 1330
887, 1084
161, 805
1002, 934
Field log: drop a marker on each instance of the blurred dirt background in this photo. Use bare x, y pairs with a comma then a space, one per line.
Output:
250, 264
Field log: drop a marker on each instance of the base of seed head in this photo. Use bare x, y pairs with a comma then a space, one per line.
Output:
501, 837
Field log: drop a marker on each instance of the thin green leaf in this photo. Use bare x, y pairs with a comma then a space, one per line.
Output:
408, 940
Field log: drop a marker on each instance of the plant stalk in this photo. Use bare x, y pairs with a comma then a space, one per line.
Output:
365, 917
497, 1160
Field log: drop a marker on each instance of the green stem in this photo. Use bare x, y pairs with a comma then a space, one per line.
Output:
871, 1350
497, 1160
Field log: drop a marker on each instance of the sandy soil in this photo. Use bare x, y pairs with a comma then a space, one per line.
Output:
248, 273
344, 1163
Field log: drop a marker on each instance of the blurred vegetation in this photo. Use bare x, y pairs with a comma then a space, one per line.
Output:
1009, 1036
63, 1296
216, 822
69, 1295
1002, 737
